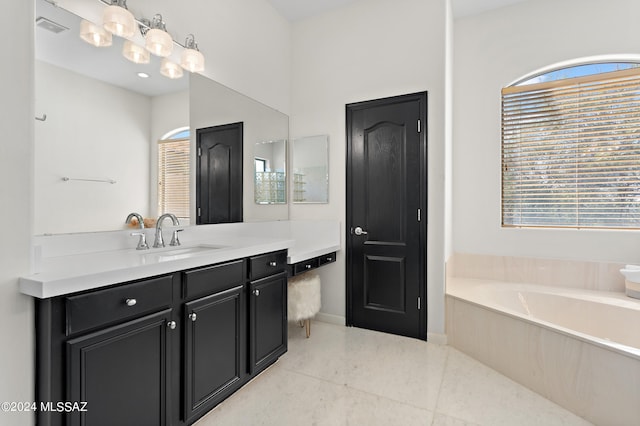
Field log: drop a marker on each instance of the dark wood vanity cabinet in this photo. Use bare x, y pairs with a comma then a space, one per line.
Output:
125, 366
163, 350
268, 321
215, 337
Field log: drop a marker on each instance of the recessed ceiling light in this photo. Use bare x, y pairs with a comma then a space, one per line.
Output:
143, 75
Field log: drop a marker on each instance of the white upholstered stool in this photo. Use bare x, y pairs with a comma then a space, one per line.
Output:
304, 299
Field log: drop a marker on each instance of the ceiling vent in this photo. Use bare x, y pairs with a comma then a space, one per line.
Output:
49, 25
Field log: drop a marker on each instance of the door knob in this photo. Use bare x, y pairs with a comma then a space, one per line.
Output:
171, 325
193, 316
256, 292
359, 231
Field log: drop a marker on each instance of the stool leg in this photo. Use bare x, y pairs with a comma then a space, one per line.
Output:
307, 323
301, 322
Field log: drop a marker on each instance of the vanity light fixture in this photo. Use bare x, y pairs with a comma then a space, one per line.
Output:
157, 39
94, 35
135, 53
170, 69
118, 20
192, 59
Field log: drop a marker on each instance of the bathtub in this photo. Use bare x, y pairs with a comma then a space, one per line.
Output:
578, 348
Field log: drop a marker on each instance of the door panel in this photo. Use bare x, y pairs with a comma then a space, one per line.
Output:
386, 187
219, 174
385, 283
384, 152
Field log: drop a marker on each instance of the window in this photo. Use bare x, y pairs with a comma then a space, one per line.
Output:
571, 148
173, 174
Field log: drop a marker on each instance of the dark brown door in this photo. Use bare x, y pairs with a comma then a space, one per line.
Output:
219, 174
386, 212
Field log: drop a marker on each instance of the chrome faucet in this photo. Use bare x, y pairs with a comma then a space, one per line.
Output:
142, 242
159, 242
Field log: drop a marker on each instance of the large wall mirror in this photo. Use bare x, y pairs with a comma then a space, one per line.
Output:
103, 124
310, 167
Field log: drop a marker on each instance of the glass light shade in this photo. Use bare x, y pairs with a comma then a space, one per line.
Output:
119, 21
135, 53
158, 42
170, 69
94, 35
192, 60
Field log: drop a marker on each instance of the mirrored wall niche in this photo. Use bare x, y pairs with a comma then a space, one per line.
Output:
310, 169
270, 183
104, 122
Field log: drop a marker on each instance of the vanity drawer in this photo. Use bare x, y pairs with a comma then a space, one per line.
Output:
213, 279
267, 264
327, 258
86, 311
305, 265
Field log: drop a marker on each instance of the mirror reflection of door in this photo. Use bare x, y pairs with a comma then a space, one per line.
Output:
270, 172
219, 174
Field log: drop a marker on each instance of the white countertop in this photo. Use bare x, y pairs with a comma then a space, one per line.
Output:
62, 267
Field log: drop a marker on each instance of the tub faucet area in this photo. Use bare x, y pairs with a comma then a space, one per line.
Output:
159, 241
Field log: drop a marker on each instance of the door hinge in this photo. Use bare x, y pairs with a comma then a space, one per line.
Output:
199, 152
419, 126
419, 305
199, 212
419, 215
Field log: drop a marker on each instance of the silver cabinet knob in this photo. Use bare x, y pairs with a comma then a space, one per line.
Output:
256, 292
171, 325
359, 231
131, 302
307, 266
193, 316
274, 264
329, 259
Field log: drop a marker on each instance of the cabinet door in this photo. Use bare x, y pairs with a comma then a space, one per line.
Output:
215, 349
268, 321
122, 372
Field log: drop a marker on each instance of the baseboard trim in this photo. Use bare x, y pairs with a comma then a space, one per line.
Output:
331, 319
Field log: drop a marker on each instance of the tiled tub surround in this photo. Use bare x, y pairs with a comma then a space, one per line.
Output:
578, 344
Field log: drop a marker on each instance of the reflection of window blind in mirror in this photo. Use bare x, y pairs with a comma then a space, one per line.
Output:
173, 177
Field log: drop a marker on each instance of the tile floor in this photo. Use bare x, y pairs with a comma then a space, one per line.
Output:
351, 376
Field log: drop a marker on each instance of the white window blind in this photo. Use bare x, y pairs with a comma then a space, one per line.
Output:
173, 177
571, 152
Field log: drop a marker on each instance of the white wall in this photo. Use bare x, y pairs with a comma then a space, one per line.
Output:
93, 130
492, 50
16, 144
367, 50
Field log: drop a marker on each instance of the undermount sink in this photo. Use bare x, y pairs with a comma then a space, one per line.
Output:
170, 253
632, 280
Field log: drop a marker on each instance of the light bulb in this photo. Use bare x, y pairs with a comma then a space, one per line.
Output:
135, 53
94, 35
119, 21
170, 69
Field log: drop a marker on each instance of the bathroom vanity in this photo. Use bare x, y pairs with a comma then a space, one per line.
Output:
160, 337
